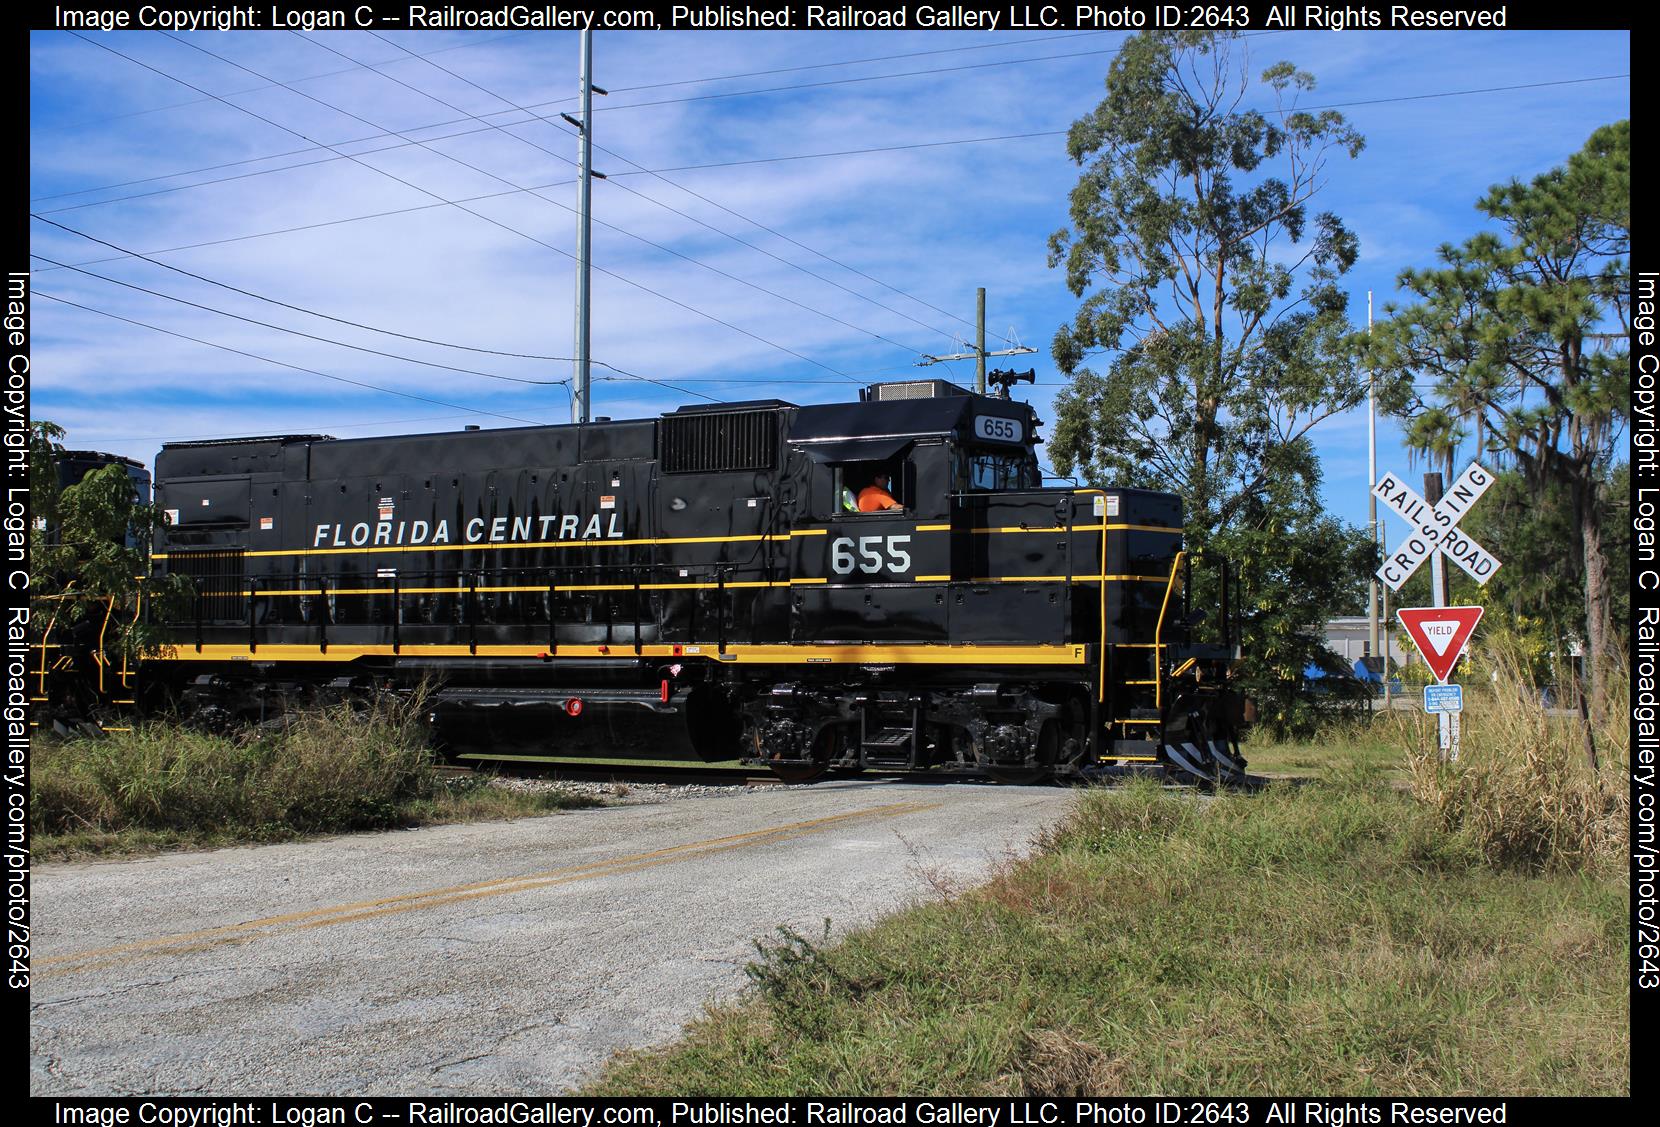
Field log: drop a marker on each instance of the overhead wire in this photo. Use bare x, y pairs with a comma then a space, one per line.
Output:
737, 163
622, 373
851, 81
128, 253
620, 230
676, 211
250, 90
1021, 42
505, 226
436, 196
299, 332
480, 118
284, 363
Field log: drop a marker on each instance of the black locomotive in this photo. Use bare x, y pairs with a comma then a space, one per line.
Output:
707, 576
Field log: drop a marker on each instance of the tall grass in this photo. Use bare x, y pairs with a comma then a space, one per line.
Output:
342, 768
1466, 932
351, 767
1323, 938
1523, 791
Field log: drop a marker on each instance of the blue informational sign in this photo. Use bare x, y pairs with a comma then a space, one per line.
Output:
1443, 698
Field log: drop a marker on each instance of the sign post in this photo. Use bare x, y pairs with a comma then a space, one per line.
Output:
1438, 631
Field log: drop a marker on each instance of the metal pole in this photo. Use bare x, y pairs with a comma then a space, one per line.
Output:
1446, 722
1383, 599
580, 401
980, 341
1372, 506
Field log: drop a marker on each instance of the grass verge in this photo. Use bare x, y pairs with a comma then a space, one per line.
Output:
333, 771
1341, 937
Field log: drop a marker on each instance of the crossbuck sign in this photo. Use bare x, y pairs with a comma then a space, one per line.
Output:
1435, 527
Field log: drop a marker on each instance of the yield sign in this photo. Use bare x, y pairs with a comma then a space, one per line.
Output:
1440, 633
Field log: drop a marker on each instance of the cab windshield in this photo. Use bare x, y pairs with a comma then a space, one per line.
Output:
1002, 470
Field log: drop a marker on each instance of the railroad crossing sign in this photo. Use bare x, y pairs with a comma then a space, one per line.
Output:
1435, 528
1440, 633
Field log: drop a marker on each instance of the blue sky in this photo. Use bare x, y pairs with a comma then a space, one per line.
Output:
855, 265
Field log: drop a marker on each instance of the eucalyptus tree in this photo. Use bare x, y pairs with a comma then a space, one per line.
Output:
1210, 335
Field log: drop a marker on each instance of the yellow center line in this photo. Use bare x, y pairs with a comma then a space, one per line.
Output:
267, 926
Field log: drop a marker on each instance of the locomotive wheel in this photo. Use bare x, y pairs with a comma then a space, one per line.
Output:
823, 745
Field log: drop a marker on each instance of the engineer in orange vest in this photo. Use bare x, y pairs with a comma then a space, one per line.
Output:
875, 497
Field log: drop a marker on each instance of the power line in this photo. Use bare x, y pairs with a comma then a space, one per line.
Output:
286, 305
623, 373
622, 231
676, 211
436, 196
713, 165
849, 62
794, 242
297, 332
654, 245
285, 364
250, 90
850, 81
498, 223
272, 84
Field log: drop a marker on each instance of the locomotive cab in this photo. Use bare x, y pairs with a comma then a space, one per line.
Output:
1031, 629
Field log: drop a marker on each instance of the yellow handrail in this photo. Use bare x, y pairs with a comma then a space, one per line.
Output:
51, 623
1158, 634
1101, 688
98, 654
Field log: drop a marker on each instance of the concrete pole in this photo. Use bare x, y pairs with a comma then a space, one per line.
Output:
980, 341
581, 401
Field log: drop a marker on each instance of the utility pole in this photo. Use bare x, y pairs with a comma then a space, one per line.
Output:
581, 399
979, 354
980, 341
1381, 657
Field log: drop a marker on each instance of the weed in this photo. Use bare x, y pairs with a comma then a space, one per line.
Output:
1524, 792
1333, 937
797, 980
333, 770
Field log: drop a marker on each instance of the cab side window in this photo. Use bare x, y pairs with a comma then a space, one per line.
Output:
868, 487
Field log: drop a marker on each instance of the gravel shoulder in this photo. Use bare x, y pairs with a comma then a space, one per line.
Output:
486, 958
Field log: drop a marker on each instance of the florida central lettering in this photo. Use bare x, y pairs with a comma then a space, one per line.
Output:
478, 530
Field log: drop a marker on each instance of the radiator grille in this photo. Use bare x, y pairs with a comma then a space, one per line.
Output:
915, 389
218, 575
710, 443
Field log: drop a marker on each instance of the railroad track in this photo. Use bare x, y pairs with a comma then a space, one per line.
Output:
701, 774
606, 771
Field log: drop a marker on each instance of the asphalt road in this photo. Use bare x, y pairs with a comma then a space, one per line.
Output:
502, 957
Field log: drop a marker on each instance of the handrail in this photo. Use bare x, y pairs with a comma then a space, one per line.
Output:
1158, 634
138, 609
1101, 680
98, 654
51, 624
